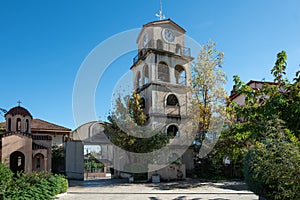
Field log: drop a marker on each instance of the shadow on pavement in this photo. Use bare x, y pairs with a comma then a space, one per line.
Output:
185, 184
98, 182
196, 183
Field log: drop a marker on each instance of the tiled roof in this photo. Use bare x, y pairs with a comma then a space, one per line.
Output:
235, 95
41, 125
38, 124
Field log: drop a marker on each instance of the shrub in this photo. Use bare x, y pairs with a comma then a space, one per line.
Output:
6, 176
37, 185
271, 170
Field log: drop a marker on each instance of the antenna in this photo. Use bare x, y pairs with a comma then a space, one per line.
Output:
160, 14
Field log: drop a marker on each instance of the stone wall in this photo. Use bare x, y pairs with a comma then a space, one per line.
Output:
171, 172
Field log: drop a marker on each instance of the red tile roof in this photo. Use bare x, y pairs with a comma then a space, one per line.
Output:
235, 95
38, 124
43, 126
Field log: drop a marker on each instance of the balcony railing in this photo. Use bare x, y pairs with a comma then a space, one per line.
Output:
162, 46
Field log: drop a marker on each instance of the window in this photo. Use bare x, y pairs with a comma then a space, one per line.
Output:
19, 161
163, 72
27, 125
172, 100
172, 131
18, 125
178, 49
38, 162
160, 44
138, 80
9, 124
143, 103
146, 74
180, 75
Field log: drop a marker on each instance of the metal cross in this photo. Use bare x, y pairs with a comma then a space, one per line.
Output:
19, 102
160, 14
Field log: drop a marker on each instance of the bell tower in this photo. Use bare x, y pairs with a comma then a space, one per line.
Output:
161, 72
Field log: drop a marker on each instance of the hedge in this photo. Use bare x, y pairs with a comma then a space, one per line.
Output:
272, 170
36, 185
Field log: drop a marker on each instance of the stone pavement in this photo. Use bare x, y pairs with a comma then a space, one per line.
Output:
190, 189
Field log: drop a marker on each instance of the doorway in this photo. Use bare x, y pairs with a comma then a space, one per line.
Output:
17, 161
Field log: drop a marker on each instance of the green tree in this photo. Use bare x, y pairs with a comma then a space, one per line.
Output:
280, 100
126, 127
209, 96
57, 158
271, 167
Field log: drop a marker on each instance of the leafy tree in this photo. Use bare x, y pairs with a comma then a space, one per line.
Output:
278, 100
127, 130
209, 95
271, 167
57, 159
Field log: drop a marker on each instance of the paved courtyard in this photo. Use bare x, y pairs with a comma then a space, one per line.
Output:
190, 189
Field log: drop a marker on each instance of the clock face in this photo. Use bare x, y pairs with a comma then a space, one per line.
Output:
168, 35
145, 40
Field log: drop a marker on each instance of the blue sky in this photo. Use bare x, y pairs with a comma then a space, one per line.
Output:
43, 44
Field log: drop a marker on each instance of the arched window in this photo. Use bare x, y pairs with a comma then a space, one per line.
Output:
163, 72
172, 100
27, 126
9, 124
172, 131
180, 75
146, 74
18, 125
143, 103
138, 80
160, 44
38, 162
178, 49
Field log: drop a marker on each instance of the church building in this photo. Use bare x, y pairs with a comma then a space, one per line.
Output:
26, 143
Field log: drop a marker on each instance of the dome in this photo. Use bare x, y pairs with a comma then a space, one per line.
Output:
18, 110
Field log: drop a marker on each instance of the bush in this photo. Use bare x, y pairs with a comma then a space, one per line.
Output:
37, 185
6, 176
271, 170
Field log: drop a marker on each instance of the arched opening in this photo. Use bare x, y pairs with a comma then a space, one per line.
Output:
172, 100
163, 72
143, 103
9, 124
38, 162
172, 131
180, 75
160, 44
178, 49
138, 80
17, 161
27, 125
94, 155
146, 74
18, 125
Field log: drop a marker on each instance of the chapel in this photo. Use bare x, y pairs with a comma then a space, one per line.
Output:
26, 143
